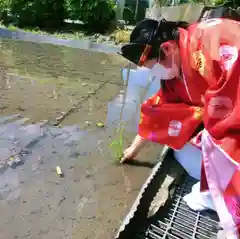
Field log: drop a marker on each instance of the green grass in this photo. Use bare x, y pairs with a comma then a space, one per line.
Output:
117, 144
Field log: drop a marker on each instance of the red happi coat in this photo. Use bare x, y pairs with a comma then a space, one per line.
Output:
211, 67
171, 116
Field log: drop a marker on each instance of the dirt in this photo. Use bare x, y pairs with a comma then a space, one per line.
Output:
41, 82
52, 79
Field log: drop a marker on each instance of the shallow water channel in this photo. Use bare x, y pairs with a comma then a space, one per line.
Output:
39, 83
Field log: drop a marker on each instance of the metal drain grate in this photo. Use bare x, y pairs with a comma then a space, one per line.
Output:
180, 222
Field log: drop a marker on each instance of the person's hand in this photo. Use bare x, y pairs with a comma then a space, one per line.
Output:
131, 152
128, 154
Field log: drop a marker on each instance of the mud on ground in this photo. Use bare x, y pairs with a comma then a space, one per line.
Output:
39, 82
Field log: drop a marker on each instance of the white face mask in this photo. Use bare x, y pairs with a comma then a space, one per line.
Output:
163, 73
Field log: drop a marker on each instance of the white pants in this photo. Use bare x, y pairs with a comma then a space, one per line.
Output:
190, 157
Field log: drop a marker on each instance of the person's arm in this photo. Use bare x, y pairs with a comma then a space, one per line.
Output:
165, 101
136, 146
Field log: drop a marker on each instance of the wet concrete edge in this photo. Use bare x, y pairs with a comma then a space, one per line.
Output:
154, 185
86, 44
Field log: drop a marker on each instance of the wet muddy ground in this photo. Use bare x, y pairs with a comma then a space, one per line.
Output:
42, 82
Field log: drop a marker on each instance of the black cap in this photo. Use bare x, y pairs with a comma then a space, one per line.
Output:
147, 32
144, 32
151, 34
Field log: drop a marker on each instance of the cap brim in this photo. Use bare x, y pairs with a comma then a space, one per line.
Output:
132, 52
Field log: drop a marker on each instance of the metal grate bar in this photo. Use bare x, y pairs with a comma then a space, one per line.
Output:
180, 222
204, 222
181, 227
191, 213
174, 212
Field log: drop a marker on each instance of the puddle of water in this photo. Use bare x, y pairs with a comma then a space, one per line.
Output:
95, 191
125, 106
91, 186
54, 78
